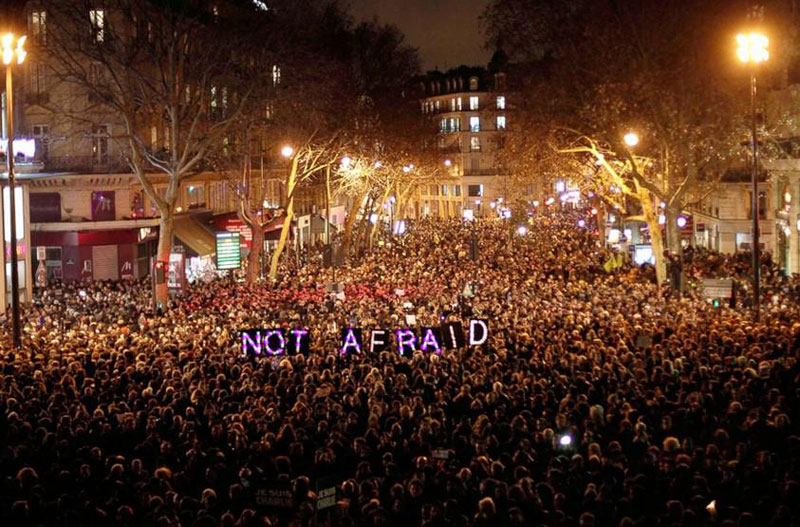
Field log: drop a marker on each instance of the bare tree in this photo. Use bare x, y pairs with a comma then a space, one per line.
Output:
182, 69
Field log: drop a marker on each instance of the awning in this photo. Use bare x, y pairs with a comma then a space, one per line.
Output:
194, 235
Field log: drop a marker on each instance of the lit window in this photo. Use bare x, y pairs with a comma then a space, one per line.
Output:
437, 105
457, 190
501, 122
154, 136
100, 144
458, 104
39, 27
501, 102
473, 103
473, 83
475, 191
444, 125
474, 124
276, 75
475, 144
97, 19
452, 105
445, 190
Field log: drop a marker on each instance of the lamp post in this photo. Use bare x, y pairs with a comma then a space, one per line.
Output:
752, 50
13, 51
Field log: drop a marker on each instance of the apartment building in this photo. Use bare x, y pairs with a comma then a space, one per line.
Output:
470, 107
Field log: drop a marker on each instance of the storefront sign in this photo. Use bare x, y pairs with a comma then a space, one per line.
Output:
229, 254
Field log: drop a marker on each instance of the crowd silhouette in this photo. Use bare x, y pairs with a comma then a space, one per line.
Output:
600, 398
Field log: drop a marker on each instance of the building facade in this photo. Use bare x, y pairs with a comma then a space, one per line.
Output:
470, 108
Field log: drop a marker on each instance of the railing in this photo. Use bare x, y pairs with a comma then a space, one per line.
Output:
90, 164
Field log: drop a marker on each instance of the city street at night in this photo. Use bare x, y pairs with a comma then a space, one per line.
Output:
302, 263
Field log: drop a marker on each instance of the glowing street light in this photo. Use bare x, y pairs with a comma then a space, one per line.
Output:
12, 48
287, 151
448, 163
752, 49
522, 230
346, 161
631, 139
681, 221
565, 440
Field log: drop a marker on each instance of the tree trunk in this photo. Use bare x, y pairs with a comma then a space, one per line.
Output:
673, 232
351, 221
601, 224
166, 226
287, 222
256, 247
656, 238
381, 210
363, 226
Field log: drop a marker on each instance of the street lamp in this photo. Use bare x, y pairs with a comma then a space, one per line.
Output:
753, 49
13, 51
631, 139
287, 151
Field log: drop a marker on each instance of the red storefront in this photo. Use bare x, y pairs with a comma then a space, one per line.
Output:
93, 255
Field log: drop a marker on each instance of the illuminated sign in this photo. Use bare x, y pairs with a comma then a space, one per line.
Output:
274, 342
229, 254
24, 146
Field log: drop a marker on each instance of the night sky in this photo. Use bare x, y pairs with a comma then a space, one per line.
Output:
446, 32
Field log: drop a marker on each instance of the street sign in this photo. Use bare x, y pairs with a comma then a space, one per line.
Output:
717, 288
229, 254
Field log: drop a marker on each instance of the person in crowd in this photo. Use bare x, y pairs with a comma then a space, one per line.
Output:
598, 399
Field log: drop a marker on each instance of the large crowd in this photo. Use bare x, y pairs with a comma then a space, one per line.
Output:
599, 399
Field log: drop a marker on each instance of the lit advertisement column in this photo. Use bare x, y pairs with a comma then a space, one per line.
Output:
23, 245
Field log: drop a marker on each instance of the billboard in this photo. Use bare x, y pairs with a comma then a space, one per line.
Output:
229, 254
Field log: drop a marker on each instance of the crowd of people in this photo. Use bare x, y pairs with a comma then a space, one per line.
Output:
599, 399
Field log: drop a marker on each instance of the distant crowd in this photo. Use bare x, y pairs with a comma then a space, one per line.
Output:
599, 399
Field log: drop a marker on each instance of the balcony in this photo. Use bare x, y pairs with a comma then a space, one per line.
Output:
87, 164
39, 99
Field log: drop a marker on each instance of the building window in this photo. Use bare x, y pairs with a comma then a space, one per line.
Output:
501, 122
437, 105
501, 102
454, 124
475, 191
276, 75
473, 83
458, 104
434, 190
475, 144
474, 124
444, 125
445, 190
457, 191
38, 80
453, 104
475, 164
41, 132
153, 137
103, 206
473, 103
100, 135
38, 29
97, 19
